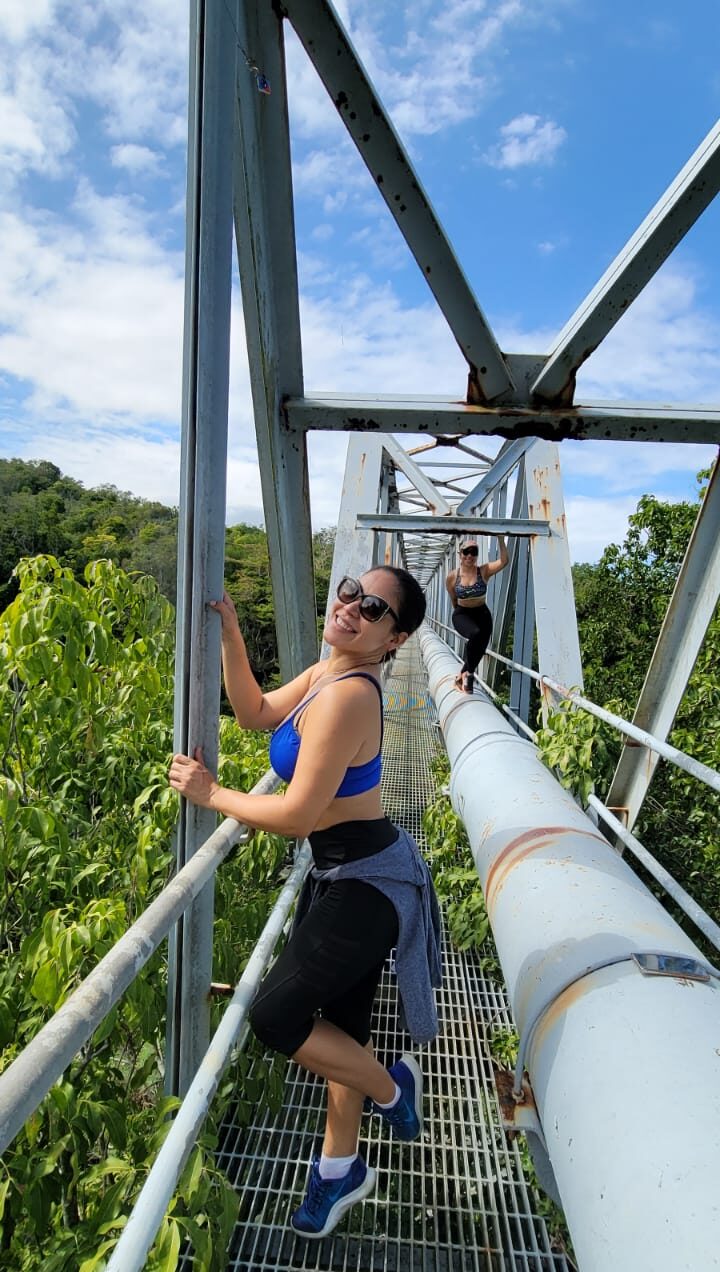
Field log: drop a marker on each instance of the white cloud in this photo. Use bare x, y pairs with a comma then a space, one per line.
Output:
432, 74
131, 64
312, 114
593, 522
148, 467
363, 339
437, 74
383, 245
17, 21
36, 126
137, 73
525, 141
92, 315
621, 466
135, 159
334, 173
666, 347
91, 298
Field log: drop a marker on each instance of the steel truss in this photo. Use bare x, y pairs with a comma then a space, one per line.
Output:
393, 507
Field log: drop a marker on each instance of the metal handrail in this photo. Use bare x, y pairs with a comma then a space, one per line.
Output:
28, 1079
694, 767
695, 912
672, 753
154, 1198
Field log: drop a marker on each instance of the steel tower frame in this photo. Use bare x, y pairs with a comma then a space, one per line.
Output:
239, 173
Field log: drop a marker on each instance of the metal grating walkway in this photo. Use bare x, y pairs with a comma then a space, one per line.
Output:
455, 1201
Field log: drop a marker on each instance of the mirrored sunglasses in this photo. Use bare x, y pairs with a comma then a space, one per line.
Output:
372, 608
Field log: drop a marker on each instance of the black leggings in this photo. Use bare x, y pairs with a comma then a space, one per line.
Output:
475, 624
331, 964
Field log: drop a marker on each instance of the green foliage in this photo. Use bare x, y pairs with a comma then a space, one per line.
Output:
574, 745
621, 603
43, 512
86, 821
503, 1044
323, 549
452, 868
247, 578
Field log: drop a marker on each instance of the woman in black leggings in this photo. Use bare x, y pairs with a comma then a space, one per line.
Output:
467, 587
369, 891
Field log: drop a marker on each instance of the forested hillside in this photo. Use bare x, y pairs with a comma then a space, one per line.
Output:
44, 512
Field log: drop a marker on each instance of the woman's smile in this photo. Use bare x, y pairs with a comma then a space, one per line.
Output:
343, 624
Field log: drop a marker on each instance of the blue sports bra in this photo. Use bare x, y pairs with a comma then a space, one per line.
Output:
464, 590
285, 744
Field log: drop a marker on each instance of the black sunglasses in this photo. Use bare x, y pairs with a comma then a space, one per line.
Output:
468, 551
372, 608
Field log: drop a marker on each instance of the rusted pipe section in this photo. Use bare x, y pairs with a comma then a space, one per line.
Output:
625, 1067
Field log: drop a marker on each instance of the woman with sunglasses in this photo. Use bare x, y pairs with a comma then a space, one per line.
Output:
467, 587
369, 891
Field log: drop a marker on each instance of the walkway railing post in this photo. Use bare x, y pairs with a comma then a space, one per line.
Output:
201, 538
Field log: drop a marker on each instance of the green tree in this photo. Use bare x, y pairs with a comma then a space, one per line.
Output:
621, 603
247, 578
44, 512
86, 822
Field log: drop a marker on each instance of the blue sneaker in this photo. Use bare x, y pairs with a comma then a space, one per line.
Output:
405, 1118
327, 1200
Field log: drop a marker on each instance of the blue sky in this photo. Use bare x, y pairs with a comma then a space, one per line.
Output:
543, 131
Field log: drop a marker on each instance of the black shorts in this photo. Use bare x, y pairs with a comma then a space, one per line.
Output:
330, 966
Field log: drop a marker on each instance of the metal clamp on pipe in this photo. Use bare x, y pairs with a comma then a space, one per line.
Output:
650, 963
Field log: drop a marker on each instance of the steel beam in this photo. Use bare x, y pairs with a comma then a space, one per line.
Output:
437, 503
440, 416
509, 457
509, 578
336, 62
355, 547
498, 512
201, 535
663, 228
265, 236
523, 633
688, 616
555, 616
635, 1147
417, 523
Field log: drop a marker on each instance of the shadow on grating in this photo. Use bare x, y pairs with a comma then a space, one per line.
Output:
455, 1201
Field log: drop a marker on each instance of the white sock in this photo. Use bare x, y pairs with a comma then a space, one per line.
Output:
335, 1167
394, 1100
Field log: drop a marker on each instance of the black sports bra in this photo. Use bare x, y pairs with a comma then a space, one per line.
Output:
464, 590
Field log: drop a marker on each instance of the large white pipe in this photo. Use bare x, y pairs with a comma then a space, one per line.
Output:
625, 1068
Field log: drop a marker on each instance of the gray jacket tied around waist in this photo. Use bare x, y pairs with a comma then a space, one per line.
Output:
401, 874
